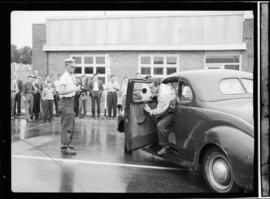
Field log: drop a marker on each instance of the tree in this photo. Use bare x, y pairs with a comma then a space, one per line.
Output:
14, 54
21, 55
25, 55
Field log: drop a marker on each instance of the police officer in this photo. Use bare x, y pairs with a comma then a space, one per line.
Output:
67, 90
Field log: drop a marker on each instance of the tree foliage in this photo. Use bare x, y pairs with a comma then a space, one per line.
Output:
21, 55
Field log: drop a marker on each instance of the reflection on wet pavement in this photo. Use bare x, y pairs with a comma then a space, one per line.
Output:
99, 166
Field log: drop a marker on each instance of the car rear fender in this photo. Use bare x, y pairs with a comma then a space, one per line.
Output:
237, 146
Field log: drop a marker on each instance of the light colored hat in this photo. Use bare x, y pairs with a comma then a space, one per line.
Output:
69, 60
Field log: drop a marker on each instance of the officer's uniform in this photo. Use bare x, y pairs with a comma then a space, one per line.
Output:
66, 107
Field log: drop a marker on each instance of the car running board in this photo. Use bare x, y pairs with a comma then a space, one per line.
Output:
171, 155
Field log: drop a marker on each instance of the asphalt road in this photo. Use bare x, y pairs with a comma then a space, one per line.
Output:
99, 166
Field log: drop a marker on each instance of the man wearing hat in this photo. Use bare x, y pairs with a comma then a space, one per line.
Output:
67, 89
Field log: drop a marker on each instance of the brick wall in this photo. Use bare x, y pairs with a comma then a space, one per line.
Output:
248, 54
56, 62
191, 60
39, 57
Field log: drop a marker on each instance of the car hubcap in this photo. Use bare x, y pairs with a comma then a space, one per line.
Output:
220, 173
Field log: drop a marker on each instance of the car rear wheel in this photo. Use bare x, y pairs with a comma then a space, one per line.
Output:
217, 172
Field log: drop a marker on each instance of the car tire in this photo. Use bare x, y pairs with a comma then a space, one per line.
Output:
217, 172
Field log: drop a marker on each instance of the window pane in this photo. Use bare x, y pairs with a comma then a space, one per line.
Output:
232, 67
78, 60
185, 93
78, 70
231, 86
141, 92
158, 71
145, 60
145, 70
213, 67
248, 83
102, 79
100, 60
171, 70
222, 59
171, 60
100, 70
88, 70
158, 60
88, 60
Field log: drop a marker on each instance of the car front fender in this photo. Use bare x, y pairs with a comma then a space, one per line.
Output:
237, 146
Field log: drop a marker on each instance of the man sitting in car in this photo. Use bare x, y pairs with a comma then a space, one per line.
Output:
163, 112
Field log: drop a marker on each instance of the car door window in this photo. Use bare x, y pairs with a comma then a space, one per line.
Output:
141, 92
184, 92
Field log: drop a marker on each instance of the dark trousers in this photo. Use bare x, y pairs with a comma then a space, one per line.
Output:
76, 104
48, 110
42, 108
66, 107
56, 100
36, 106
164, 127
112, 103
82, 107
95, 100
17, 103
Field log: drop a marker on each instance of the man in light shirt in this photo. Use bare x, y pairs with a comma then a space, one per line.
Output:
56, 95
67, 89
96, 89
163, 113
113, 87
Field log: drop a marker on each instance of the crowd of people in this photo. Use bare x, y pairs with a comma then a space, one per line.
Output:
41, 96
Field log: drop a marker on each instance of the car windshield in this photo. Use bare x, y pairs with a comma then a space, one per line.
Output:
248, 83
231, 87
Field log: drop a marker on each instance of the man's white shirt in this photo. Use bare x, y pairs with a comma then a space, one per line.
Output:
68, 81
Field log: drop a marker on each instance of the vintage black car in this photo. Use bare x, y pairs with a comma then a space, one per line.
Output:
213, 126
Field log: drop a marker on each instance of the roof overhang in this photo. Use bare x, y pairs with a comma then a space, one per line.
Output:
147, 47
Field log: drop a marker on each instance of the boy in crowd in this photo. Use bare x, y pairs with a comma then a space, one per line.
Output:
56, 96
82, 98
48, 93
28, 97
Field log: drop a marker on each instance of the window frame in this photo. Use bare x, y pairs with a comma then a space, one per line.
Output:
240, 83
164, 65
178, 94
222, 65
83, 65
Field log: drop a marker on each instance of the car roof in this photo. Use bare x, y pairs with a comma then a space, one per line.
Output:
217, 73
205, 83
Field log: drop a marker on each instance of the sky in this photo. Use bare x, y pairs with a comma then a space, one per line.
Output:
21, 21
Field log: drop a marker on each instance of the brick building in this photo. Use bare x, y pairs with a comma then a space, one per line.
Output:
152, 44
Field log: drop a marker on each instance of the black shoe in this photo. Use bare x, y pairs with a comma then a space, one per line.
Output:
71, 146
68, 151
163, 150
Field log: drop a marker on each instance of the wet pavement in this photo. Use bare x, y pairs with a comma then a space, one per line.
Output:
99, 166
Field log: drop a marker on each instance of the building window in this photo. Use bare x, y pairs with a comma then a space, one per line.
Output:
230, 62
88, 70
100, 60
88, 60
158, 65
100, 70
90, 64
78, 70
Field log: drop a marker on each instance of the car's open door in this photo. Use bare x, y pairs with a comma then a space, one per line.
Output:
140, 128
